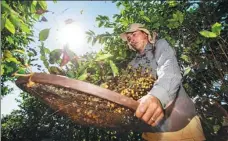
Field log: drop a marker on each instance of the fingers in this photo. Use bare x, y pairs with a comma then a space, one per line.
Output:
158, 116
142, 108
150, 110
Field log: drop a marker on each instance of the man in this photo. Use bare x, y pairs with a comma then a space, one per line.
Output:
167, 89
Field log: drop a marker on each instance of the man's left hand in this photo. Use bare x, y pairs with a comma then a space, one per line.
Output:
150, 110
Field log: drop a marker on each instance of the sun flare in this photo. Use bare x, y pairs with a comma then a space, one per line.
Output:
73, 35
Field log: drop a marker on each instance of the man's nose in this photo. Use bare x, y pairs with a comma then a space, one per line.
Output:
132, 40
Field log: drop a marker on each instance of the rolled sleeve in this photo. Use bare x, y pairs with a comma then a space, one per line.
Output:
168, 72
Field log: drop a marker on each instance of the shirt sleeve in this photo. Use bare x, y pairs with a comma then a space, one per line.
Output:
168, 73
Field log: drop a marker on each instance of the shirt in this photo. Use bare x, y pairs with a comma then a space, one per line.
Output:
165, 68
168, 87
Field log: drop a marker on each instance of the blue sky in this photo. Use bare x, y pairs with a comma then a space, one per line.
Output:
86, 21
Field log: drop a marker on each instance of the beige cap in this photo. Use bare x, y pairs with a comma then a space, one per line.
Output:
137, 26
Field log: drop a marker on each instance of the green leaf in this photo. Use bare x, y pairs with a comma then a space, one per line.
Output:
9, 39
9, 69
2, 69
15, 20
185, 58
186, 71
83, 76
46, 50
43, 35
3, 22
141, 13
103, 57
89, 39
70, 74
12, 59
18, 50
43, 5
10, 26
55, 55
216, 28
55, 1
114, 68
180, 16
208, 34
22, 70
101, 23
25, 28
7, 54
94, 41
172, 3
146, 18
34, 3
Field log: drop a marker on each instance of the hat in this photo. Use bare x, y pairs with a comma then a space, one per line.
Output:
137, 26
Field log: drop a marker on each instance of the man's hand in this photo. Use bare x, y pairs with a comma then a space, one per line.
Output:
150, 110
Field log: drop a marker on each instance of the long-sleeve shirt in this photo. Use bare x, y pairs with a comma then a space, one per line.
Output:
164, 67
167, 87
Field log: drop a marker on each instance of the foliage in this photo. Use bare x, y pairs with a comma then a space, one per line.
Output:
202, 54
198, 35
17, 33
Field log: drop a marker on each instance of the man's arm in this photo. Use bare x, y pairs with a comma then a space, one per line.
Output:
168, 72
164, 90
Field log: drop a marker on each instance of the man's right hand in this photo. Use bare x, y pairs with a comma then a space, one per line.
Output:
150, 110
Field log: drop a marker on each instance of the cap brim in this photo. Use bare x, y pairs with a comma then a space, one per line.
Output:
123, 36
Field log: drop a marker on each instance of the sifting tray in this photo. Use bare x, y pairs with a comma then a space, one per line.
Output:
89, 105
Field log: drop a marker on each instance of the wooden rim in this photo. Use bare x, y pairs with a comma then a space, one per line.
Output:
82, 86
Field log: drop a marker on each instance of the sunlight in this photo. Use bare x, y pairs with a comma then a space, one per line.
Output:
73, 35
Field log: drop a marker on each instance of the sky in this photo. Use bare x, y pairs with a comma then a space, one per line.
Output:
83, 13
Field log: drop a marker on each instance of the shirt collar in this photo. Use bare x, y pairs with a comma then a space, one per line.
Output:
147, 48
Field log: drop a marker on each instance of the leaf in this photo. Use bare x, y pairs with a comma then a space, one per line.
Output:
56, 70
43, 5
81, 12
10, 26
15, 20
18, 50
83, 76
43, 19
46, 50
114, 68
94, 41
43, 35
89, 39
34, 3
22, 70
12, 59
55, 55
141, 13
146, 18
180, 16
70, 74
103, 57
69, 21
208, 34
41, 11
185, 58
9, 39
216, 28
3, 22
25, 28
186, 71
7, 54
172, 3
2, 69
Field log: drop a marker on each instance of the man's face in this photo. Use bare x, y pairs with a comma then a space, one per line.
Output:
137, 40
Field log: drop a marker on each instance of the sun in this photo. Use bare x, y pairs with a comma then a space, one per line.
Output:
73, 35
